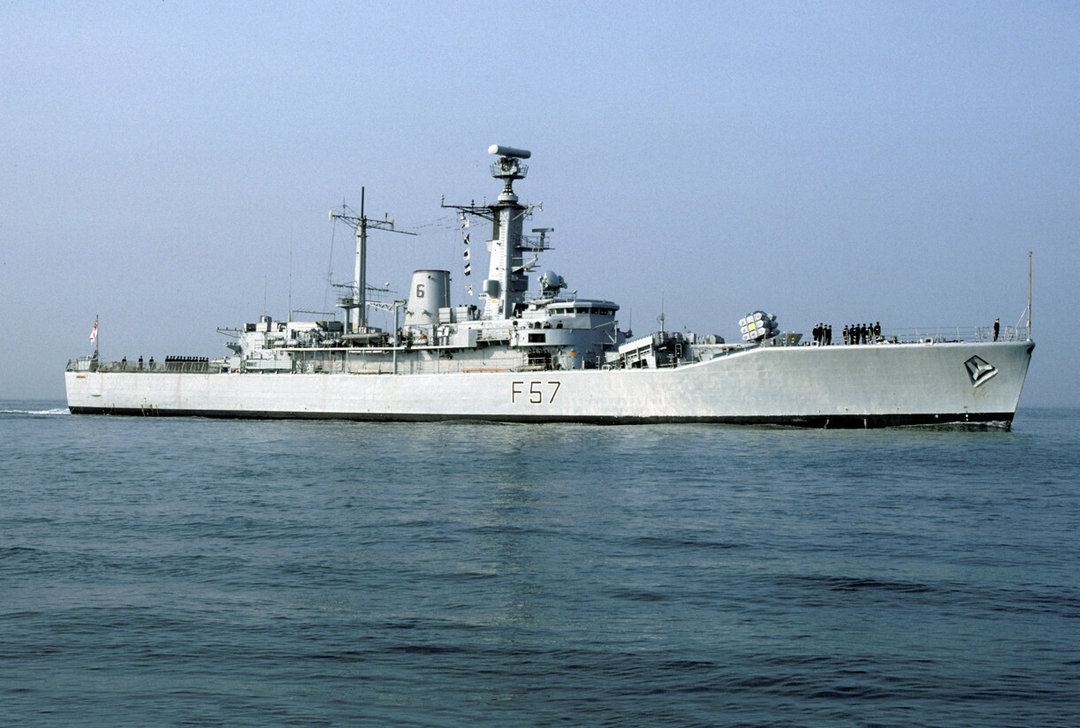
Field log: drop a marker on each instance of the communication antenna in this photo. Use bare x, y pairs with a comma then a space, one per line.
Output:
361, 223
289, 317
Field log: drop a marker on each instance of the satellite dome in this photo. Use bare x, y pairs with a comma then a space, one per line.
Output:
551, 282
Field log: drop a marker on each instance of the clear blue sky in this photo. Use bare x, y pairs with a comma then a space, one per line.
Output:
169, 165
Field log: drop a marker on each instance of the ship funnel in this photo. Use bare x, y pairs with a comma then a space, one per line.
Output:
430, 291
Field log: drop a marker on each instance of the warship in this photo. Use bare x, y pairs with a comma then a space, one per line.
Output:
548, 355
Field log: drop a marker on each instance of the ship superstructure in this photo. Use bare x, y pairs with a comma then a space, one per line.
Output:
549, 355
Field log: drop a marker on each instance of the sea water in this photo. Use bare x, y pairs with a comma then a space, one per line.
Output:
196, 572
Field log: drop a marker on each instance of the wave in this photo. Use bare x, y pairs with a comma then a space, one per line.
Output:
55, 411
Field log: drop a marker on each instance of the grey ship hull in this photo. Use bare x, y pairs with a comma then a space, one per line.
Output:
838, 386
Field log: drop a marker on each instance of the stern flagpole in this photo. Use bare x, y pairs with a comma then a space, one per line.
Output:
94, 337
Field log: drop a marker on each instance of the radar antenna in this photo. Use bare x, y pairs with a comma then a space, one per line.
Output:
509, 168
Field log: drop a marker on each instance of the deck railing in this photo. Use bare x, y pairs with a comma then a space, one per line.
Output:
944, 334
914, 335
188, 364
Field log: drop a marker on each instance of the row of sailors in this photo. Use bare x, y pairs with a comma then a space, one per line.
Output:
862, 333
170, 360
539, 324
853, 334
123, 363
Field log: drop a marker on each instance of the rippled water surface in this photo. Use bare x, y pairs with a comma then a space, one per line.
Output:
188, 572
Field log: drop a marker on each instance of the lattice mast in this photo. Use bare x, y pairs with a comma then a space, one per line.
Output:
355, 304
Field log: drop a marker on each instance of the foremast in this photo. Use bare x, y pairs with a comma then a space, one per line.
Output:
355, 302
507, 283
